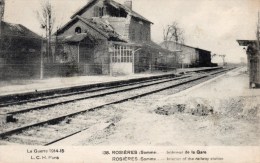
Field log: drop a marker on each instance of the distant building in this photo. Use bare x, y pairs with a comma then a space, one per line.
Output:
253, 57
20, 50
106, 37
189, 56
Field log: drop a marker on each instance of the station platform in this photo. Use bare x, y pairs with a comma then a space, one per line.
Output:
16, 87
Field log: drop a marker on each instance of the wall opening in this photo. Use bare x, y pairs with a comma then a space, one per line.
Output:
78, 30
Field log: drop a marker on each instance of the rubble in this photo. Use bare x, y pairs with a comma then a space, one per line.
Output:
192, 106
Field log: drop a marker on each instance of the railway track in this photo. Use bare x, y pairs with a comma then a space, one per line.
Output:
68, 117
76, 90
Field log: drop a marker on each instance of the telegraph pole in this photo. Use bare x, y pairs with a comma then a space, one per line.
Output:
258, 33
223, 58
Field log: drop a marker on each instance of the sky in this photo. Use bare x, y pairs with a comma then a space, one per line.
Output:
213, 25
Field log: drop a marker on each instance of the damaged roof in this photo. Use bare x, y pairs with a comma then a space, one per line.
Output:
104, 26
73, 38
101, 26
17, 30
116, 5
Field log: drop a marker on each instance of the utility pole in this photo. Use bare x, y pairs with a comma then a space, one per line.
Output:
258, 33
223, 58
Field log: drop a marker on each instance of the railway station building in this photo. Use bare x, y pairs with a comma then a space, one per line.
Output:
106, 37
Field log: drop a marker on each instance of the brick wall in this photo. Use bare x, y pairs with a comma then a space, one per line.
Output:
139, 31
131, 29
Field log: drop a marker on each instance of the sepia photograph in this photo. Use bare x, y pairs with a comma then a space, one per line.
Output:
130, 81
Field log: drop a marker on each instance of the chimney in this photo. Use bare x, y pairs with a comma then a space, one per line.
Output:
128, 4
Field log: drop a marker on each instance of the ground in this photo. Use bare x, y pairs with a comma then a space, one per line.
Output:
223, 112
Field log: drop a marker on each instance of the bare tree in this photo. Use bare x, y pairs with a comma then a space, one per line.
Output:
46, 18
258, 33
213, 55
223, 58
175, 33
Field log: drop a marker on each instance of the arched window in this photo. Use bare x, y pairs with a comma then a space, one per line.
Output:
77, 30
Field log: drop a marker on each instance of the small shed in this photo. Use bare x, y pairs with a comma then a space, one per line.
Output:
20, 50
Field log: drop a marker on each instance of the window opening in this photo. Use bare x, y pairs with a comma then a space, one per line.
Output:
99, 11
77, 30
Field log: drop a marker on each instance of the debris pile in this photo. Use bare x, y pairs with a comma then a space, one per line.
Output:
240, 107
196, 107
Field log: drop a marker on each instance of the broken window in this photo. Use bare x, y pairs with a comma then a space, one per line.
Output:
98, 11
115, 11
